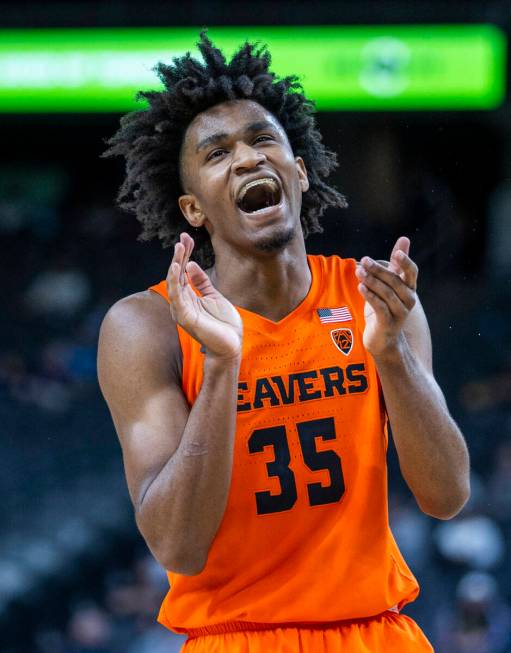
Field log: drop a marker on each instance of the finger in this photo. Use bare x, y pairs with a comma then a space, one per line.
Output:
372, 268
179, 255
398, 305
376, 303
174, 287
402, 245
182, 298
176, 262
408, 270
185, 238
187, 242
200, 279
175, 277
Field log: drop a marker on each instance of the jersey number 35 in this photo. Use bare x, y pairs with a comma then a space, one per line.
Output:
276, 437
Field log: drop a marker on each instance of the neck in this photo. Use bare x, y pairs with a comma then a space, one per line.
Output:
271, 285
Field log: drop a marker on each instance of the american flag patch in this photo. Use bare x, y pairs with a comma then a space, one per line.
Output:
329, 315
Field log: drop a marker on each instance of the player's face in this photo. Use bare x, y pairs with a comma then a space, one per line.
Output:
243, 182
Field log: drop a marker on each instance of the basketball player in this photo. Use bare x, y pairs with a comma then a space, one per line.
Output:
251, 390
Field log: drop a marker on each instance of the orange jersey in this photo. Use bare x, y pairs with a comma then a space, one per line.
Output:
305, 535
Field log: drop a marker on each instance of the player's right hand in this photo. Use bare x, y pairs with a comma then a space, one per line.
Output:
209, 318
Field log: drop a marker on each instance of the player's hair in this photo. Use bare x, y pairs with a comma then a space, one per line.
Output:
151, 139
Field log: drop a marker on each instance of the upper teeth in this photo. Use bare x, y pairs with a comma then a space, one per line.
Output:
256, 182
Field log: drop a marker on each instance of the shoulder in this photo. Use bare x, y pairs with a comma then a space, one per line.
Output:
143, 316
138, 329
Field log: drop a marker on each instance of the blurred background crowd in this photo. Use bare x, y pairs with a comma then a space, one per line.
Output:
75, 577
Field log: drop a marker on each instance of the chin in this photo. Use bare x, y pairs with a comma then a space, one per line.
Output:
276, 242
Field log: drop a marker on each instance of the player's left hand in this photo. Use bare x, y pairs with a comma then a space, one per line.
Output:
390, 294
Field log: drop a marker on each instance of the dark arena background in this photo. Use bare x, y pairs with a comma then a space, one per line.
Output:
414, 98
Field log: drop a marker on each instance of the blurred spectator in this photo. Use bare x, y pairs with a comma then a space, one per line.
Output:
499, 486
29, 197
124, 622
89, 630
134, 600
498, 262
474, 540
488, 392
412, 531
480, 621
49, 395
61, 290
122, 602
69, 360
12, 371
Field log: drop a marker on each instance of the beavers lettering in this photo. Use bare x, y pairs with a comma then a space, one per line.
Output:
302, 386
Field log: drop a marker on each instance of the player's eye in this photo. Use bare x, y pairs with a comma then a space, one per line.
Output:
215, 154
263, 137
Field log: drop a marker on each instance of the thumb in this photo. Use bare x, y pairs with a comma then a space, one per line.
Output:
403, 245
199, 279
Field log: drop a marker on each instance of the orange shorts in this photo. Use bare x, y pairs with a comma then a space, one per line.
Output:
387, 633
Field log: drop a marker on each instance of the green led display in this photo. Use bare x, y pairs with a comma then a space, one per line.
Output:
342, 68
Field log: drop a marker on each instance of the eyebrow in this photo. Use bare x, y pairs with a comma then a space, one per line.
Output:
221, 136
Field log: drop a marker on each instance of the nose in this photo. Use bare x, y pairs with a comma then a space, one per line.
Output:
246, 158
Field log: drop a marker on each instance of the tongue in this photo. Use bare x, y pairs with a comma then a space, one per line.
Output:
258, 197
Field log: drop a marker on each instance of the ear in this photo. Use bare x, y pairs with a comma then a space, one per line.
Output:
302, 174
191, 209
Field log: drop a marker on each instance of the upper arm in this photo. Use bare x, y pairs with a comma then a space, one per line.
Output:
138, 371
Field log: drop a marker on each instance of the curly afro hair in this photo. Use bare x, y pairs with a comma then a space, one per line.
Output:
151, 139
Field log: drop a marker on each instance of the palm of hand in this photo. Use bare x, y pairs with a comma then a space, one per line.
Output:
206, 314
215, 321
389, 291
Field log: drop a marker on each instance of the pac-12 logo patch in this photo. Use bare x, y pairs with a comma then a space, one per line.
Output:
343, 340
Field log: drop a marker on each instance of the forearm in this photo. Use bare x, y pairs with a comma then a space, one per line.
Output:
184, 505
432, 453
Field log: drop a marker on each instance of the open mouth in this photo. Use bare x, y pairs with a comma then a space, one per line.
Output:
259, 194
